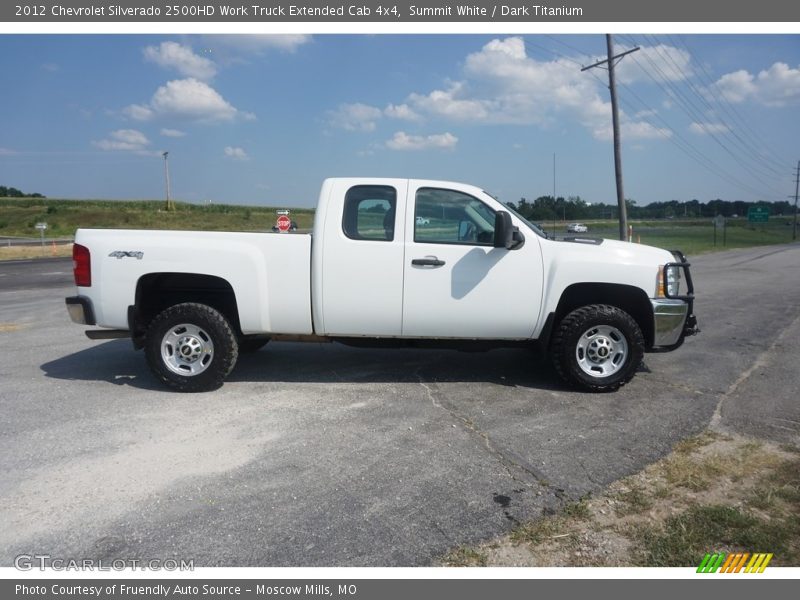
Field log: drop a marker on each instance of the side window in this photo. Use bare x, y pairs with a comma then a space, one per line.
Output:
369, 213
449, 217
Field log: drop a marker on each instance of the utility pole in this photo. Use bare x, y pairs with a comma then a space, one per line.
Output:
170, 205
610, 63
796, 189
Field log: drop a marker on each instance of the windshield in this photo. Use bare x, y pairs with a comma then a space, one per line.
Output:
536, 229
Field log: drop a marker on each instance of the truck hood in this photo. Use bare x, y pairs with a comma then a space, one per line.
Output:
625, 252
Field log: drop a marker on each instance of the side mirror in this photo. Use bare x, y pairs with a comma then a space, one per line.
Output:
505, 234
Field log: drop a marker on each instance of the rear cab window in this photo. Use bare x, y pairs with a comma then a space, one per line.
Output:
370, 213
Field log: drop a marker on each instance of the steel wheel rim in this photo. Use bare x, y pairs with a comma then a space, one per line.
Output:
602, 351
187, 349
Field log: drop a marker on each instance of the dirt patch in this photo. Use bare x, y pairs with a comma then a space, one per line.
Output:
10, 327
714, 492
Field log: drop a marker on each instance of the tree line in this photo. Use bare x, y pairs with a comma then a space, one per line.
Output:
12, 192
573, 208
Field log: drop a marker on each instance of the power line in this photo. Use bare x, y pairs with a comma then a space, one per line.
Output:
758, 160
676, 139
687, 106
752, 134
682, 143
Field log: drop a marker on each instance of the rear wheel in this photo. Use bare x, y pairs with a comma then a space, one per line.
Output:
598, 348
191, 347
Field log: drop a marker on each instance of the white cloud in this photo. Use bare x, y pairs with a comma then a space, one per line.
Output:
633, 130
171, 55
7, 152
708, 128
131, 140
452, 103
775, 87
173, 133
645, 113
236, 153
138, 112
51, 67
401, 111
402, 141
259, 43
501, 84
188, 99
505, 85
661, 61
354, 117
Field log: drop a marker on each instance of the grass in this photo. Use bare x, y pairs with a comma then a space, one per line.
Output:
691, 474
18, 216
21, 252
685, 538
697, 236
536, 532
694, 443
633, 501
464, 557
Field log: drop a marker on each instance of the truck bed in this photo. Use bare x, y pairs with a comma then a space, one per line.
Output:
270, 273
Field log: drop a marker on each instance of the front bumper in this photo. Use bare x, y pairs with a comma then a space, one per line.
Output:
669, 317
80, 310
673, 316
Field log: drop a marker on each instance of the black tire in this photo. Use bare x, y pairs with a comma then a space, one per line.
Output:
191, 337
597, 348
250, 344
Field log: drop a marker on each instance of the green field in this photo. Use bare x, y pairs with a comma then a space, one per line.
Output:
693, 236
18, 217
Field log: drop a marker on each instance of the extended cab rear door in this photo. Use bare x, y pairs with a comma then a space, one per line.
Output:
360, 258
456, 284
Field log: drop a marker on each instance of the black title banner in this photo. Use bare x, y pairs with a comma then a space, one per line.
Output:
406, 11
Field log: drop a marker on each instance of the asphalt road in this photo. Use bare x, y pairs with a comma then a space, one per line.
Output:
331, 456
41, 273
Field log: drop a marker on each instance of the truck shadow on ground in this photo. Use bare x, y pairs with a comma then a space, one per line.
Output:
113, 361
284, 362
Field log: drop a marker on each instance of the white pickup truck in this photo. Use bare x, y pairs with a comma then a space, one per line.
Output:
390, 262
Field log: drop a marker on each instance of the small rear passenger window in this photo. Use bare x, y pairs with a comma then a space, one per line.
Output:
369, 213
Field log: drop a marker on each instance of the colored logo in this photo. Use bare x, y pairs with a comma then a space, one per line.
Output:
735, 562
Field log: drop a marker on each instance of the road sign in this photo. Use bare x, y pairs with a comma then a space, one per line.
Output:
758, 214
719, 221
41, 226
284, 223
283, 211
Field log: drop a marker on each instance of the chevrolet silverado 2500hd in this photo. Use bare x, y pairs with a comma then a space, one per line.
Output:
390, 262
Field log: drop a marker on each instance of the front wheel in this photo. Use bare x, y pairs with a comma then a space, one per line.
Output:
598, 348
191, 347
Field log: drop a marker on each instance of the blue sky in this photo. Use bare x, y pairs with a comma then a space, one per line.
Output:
263, 119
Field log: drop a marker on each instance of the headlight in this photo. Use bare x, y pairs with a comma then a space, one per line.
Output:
673, 281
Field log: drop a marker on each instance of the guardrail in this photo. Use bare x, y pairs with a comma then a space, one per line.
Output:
20, 241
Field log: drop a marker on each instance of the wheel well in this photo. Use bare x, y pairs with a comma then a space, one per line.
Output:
631, 299
156, 292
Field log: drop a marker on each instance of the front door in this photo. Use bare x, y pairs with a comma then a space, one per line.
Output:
457, 285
